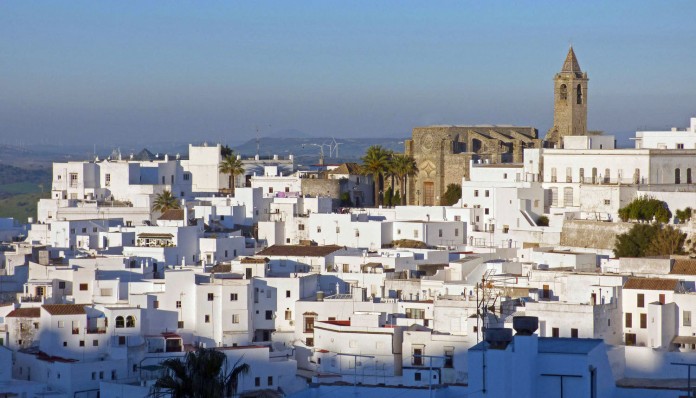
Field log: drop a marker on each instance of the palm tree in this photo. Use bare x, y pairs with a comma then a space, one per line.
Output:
201, 373
376, 163
231, 166
404, 166
165, 201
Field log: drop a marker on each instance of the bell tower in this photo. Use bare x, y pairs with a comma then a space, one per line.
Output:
570, 102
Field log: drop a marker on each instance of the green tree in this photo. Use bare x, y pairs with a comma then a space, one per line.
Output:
683, 215
345, 200
389, 197
451, 195
226, 151
396, 199
404, 167
646, 209
233, 167
165, 201
200, 374
667, 241
650, 240
376, 163
542, 221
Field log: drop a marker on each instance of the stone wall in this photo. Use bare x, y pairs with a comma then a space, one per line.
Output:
594, 234
321, 187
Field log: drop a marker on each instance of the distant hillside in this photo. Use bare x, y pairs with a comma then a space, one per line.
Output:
307, 150
20, 189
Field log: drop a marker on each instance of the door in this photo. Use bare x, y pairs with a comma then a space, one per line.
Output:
630, 339
428, 194
594, 298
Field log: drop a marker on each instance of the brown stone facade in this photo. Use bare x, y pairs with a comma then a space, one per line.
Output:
570, 102
443, 154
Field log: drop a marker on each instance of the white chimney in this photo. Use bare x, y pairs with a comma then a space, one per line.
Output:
183, 205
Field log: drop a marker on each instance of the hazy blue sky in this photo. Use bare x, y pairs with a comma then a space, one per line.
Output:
106, 71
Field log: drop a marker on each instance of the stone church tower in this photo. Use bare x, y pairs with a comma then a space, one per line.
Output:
570, 102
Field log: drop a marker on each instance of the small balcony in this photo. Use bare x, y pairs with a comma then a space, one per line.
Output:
31, 299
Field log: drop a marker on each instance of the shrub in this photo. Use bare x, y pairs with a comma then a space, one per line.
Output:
543, 221
646, 209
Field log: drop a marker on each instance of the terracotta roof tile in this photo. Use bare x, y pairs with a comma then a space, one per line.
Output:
651, 284
347, 168
31, 312
172, 215
684, 267
299, 250
65, 309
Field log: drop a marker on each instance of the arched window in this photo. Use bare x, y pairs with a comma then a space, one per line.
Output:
130, 321
563, 92
594, 175
579, 93
677, 176
636, 176
119, 321
607, 176
688, 176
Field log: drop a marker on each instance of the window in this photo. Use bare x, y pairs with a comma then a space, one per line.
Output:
309, 342
178, 304
187, 176
269, 314
662, 299
95, 343
688, 176
357, 233
94, 375
574, 333
563, 92
486, 211
475, 193
155, 304
338, 230
607, 202
61, 324
569, 174
270, 380
415, 233
82, 343
607, 176
640, 300
686, 318
309, 324
300, 227
417, 355
554, 196
486, 193
210, 296
319, 229
270, 189
84, 286
439, 233
582, 174
257, 381
107, 180
553, 174
234, 297
113, 375
121, 340
449, 357
643, 321
568, 196
120, 322
84, 230
65, 343
288, 315
677, 176
73, 180
579, 95
456, 232
61, 285
636, 176
629, 320
235, 318
417, 376
101, 375
680, 146
207, 319
287, 293
130, 321
555, 332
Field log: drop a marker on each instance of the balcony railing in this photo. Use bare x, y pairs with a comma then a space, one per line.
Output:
96, 331
31, 299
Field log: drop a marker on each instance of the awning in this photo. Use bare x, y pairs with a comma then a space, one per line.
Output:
684, 340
